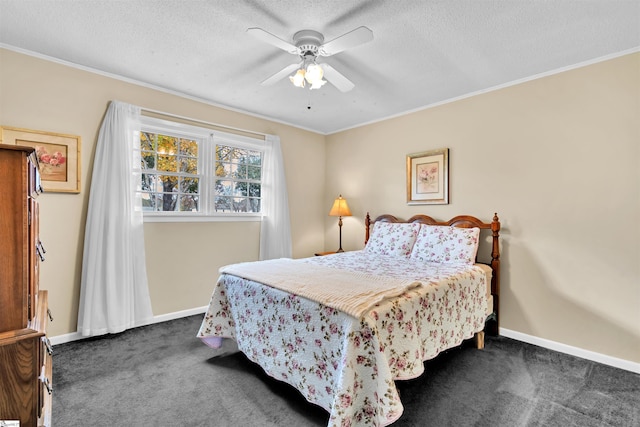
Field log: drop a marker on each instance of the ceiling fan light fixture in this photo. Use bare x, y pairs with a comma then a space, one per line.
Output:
298, 78
317, 84
314, 73
311, 74
314, 76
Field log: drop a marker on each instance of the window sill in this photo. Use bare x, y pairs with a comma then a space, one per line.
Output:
202, 218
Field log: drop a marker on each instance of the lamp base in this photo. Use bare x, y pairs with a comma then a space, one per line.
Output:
340, 228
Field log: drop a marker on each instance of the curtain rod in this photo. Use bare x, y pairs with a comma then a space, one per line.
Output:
203, 122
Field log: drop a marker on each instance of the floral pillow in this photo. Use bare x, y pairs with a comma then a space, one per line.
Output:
444, 244
392, 238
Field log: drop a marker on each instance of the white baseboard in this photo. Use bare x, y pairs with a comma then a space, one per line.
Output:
179, 314
627, 365
75, 336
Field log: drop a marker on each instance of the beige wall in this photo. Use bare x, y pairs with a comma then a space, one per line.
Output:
559, 159
42, 95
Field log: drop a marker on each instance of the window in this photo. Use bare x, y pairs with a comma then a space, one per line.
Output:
188, 171
238, 175
170, 181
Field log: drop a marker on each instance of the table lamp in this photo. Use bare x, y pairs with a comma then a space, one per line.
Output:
340, 208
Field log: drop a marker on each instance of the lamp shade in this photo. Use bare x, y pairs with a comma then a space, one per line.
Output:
314, 73
298, 78
340, 208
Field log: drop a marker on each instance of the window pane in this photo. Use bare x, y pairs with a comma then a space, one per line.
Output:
167, 163
167, 202
189, 185
223, 170
255, 158
223, 153
188, 147
254, 205
240, 189
168, 183
156, 202
240, 172
147, 141
224, 187
254, 190
167, 144
148, 160
157, 198
239, 204
223, 204
148, 182
188, 203
239, 155
189, 165
254, 172
148, 203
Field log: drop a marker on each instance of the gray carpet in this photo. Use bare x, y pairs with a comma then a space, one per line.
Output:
161, 375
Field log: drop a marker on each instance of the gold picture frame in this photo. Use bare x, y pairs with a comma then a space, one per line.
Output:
428, 177
58, 155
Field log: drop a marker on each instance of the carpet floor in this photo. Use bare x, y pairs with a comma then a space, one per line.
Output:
162, 375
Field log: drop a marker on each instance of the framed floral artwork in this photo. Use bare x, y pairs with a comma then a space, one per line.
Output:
58, 156
428, 177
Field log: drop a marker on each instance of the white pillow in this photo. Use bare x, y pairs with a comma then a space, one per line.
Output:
390, 238
444, 244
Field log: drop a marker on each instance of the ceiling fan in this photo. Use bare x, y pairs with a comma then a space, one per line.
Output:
308, 45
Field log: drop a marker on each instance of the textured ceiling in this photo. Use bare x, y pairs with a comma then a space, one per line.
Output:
423, 52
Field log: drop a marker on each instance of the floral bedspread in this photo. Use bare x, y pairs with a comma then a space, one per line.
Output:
346, 365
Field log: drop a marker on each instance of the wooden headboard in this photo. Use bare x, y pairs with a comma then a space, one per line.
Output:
463, 221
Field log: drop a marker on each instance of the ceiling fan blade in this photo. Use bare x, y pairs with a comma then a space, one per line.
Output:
281, 74
335, 78
360, 35
269, 38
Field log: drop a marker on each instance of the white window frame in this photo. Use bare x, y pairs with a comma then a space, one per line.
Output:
207, 140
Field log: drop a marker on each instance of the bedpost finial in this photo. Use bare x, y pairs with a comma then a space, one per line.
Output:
367, 224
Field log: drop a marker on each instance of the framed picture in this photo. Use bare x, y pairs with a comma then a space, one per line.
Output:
428, 178
58, 156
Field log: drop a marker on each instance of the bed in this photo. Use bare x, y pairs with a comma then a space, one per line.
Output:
343, 328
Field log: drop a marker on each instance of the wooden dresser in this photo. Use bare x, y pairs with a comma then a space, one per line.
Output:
25, 350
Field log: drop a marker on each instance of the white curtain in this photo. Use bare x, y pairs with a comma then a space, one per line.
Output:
275, 231
114, 295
